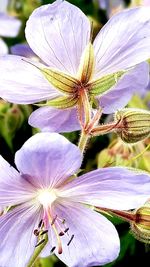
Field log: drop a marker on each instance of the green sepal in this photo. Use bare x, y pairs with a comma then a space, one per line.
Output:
86, 64
62, 102
63, 82
105, 83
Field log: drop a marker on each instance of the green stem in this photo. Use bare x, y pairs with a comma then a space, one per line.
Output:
83, 141
37, 252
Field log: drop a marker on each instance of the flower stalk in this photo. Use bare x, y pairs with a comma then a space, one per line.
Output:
83, 141
139, 220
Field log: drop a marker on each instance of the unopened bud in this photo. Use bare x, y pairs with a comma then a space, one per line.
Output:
141, 226
139, 220
12, 118
133, 124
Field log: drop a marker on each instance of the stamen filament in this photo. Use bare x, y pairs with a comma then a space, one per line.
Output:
52, 222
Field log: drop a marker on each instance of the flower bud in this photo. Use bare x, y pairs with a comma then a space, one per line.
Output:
139, 220
12, 118
133, 124
141, 226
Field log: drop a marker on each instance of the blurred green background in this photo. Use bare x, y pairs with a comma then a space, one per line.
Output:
102, 151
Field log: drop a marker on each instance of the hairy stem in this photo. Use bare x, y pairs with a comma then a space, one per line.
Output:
83, 141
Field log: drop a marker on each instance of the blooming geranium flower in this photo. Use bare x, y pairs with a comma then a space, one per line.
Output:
75, 70
23, 50
9, 26
46, 200
111, 6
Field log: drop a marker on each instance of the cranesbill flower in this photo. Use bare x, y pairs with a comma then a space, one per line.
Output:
9, 26
46, 200
111, 6
23, 50
76, 69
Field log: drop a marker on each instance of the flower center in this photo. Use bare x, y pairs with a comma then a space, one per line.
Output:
47, 197
51, 220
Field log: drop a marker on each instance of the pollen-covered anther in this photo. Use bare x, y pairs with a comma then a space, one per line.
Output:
52, 250
72, 237
66, 230
40, 233
60, 230
61, 233
36, 232
41, 223
134, 124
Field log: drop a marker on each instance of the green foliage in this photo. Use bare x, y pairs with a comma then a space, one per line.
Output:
12, 118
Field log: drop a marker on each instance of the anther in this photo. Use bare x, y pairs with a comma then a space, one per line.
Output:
52, 250
53, 221
66, 230
36, 232
70, 240
41, 242
40, 224
44, 232
63, 221
60, 250
61, 233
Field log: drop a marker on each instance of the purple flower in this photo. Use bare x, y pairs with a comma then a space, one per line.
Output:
23, 50
3, 48
59, 34
9, 27
46, 199
111, 6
